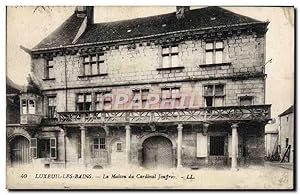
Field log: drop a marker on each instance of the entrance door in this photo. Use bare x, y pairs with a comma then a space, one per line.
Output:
157, 152
19, 147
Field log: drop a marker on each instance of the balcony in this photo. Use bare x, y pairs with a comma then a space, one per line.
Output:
260, 113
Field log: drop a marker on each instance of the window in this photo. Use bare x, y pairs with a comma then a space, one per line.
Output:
214, 52
170, 93
119, 147
98, 145
84, 102
33, 147
43, 148
52, 107
103, 100
246, 100
24, 106
140, 96
170, 56
214, 95
28, 107
94, 64
49, 73
217, 145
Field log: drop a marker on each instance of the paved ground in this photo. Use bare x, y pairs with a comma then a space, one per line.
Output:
254, 177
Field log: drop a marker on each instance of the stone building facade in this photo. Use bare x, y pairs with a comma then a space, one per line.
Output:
96, 83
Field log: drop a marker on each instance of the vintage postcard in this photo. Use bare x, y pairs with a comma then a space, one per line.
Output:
177, 97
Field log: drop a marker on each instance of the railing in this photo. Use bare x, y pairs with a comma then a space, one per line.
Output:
226, 113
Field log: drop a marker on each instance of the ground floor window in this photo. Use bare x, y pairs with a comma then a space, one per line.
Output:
217, 145
43, 148
98, 145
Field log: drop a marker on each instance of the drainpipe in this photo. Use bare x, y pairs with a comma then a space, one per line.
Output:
66, 82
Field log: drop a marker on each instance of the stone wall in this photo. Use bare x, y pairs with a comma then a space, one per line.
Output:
124, 65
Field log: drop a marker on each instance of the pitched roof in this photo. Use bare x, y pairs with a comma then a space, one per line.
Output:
63, 35
140, 27
288, 111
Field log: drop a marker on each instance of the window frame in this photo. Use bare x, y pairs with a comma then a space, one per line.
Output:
169, 55
35, 147
140, 94
246, 96
99, 63
170, 95
214, 95
84, 102
27, 106
214, 50
117, 148
100, 146
53, 114
104, 100
48, 67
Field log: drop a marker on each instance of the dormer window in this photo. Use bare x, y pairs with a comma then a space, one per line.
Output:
170, 56
94, 64
214, 52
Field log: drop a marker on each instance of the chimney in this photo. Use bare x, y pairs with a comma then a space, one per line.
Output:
181, 10
87, 11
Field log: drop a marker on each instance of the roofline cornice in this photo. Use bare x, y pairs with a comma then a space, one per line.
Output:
150, 36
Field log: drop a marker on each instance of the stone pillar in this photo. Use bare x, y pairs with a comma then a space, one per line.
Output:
128, 143
205, 132
179, 146
83, 144
234, 147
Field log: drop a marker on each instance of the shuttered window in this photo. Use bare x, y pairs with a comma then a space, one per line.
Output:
33, 147
53, 153
201, 145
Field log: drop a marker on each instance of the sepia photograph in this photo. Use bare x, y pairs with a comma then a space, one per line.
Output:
150, 97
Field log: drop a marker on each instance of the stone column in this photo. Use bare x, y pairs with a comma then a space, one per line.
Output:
83, 144
205, 132
234, 147
128, 142
179, 146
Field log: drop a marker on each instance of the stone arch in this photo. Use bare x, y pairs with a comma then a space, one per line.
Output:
140, 144
18, 149
157, 150
25, 134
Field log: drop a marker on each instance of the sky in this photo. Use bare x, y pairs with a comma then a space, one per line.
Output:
27, 26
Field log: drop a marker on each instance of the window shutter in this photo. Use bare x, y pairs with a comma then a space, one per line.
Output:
201, 145
33, 147
53, 148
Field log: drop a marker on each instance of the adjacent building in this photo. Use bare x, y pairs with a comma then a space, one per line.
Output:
95, 83
286, 135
